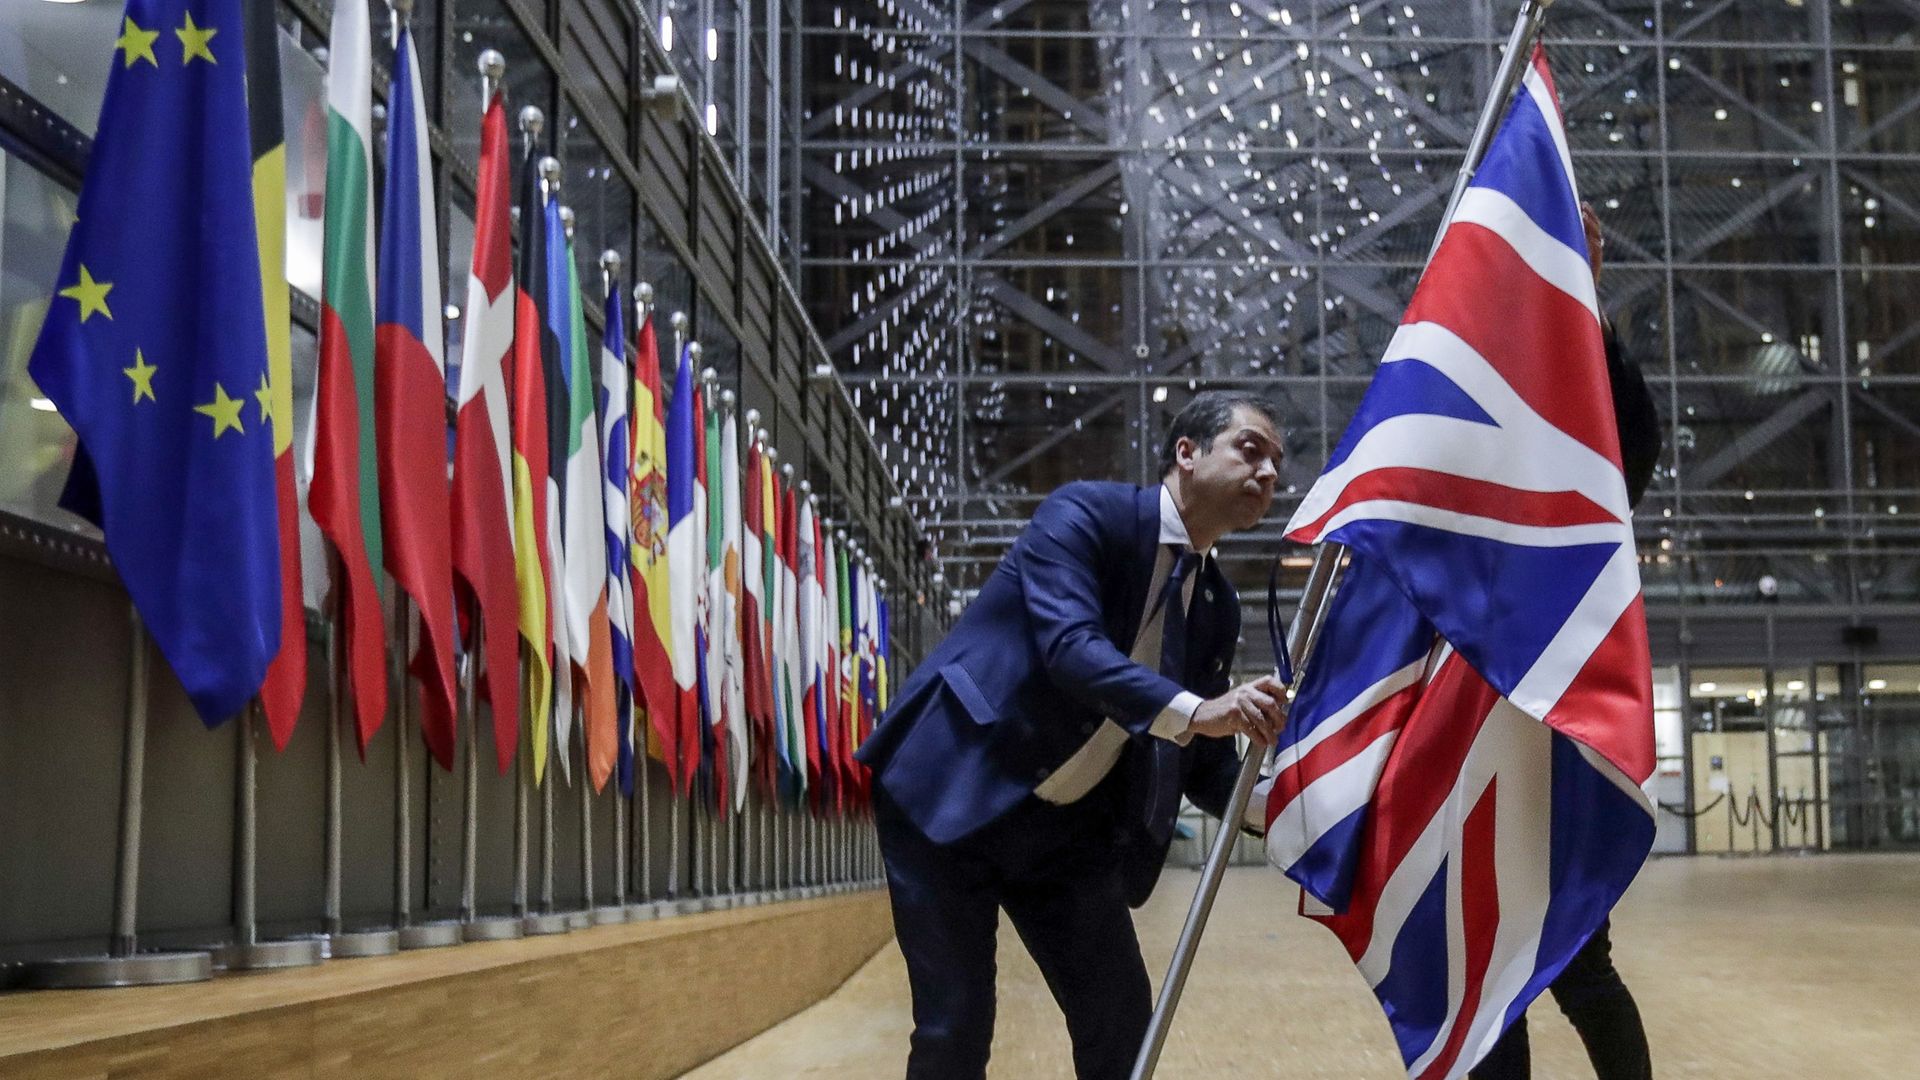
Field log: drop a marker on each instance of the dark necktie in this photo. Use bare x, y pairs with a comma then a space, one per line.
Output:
1163, 783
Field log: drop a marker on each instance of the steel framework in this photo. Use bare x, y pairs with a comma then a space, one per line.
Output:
1034, 227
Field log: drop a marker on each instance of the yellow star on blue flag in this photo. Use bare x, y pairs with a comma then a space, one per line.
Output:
182, 487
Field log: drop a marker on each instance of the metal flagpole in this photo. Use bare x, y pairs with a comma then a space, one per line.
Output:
473, 927
1308, 619
247, 952
124, 964
429, 935
643, 310
342, 943
522, 779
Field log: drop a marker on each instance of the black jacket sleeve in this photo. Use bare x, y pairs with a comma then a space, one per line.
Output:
1638, 422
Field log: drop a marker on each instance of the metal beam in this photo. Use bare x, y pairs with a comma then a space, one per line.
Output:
1049, 321
1755, 438
1061, 434
1081, 114
1046, 211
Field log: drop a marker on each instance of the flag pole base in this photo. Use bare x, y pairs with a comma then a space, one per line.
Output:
140, 969
493, 929
431, 935
269, 955
545, 925
609, 916
692, 905
358, 943
648, 912
578, 920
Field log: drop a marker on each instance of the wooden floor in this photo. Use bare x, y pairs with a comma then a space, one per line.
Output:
1750, 968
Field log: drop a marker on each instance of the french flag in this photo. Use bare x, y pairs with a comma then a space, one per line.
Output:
1458, 784
410, 399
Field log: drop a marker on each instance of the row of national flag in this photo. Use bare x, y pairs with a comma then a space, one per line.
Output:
601, 549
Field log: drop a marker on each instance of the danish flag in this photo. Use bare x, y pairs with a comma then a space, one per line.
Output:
1458, 785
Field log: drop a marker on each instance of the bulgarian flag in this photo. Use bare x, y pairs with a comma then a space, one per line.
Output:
532, 550
344, 496
589, 634
617, 453
686, 552
652, 589
286, 681
410, 394
483, 505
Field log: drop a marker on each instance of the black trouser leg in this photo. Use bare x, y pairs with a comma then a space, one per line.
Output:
1598, 1004
1080, 933
946, 917
1596, 1001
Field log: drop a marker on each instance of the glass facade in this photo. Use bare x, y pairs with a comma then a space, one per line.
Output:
1038, 226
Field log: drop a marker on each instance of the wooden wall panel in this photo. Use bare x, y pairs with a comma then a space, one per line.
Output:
643, 1001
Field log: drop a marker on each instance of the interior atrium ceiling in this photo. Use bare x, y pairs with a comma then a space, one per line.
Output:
1032, 228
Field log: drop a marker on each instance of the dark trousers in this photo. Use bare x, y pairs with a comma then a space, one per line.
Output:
1596, 1002
1054, 872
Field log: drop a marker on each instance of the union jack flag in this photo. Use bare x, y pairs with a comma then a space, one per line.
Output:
1458, 783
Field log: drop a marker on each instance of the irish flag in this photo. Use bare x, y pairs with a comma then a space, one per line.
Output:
345, 494
588, 632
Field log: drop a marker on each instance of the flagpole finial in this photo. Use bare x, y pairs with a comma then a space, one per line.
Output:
402, 9
493, 66
532, 120
550, 172
706, 374
765, 438
806, 488
787, 471
643, 295
610, 262
773, 455
726, 399
566, 220
753, 420
694, 349
679, 322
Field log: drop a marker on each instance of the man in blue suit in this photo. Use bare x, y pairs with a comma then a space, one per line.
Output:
1035, 761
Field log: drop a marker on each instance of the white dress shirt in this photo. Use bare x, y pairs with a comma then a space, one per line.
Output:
1096, 757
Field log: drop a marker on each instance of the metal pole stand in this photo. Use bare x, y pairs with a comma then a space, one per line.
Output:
124, 965
473, 927
440, 933
247, 952
342, 944
546, 920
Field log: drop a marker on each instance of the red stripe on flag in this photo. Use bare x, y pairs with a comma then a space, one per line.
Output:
1464, 495
334, 502
1544, 343
286, 681
1608, 702
410, 413
1480, 914
1419, 775
1339, 748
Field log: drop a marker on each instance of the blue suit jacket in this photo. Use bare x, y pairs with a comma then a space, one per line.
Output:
1039, 660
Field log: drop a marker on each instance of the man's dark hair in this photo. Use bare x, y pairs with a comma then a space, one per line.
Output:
1207, 415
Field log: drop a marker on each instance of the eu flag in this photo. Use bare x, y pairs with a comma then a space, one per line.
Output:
154, 349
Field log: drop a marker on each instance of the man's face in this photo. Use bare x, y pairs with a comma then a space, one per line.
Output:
1235, 478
